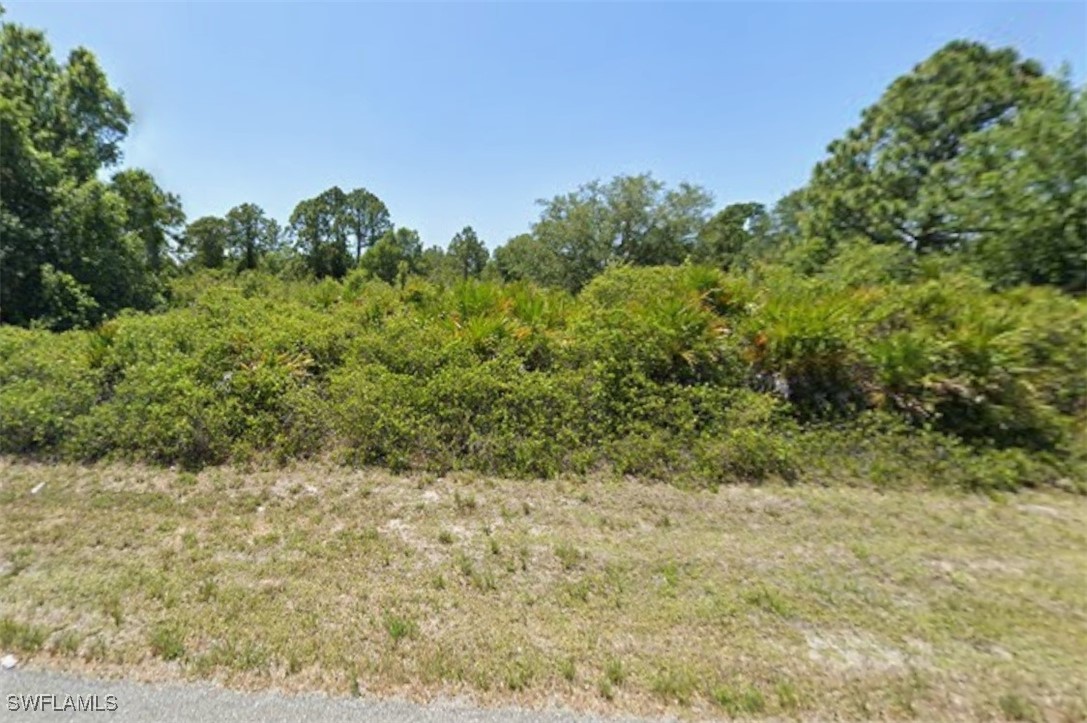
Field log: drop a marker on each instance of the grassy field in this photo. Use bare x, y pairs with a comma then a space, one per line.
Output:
599, 595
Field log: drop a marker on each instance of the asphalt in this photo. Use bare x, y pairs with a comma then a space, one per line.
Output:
189, 702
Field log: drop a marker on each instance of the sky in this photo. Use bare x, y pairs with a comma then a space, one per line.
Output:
466, 114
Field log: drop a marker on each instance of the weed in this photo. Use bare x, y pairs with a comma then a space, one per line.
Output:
465, 565
294, 665
20, 560
484, 580
96, 650
1016, 707
523, 554
788, 698
744, 700
767, 599
207, 590
167, 641
519, 675
400, 628
465, 503
674, 684
614, 672
568, 555
670, 573
67, 643
20, 636
112, 607
578, 591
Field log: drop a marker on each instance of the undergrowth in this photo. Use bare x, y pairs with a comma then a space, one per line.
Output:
678, 373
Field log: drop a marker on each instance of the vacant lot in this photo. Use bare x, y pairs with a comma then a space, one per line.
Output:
601, 595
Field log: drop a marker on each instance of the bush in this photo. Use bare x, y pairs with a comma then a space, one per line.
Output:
682, 374
46, 384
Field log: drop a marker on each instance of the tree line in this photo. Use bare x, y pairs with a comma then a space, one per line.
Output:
976, 156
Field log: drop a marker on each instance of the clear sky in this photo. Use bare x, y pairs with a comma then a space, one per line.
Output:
466, 114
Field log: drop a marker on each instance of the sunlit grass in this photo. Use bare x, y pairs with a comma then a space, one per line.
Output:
772, 601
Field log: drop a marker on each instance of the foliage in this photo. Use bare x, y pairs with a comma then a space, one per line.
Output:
319, 228
886, 180
396, 254
366, 218
976, 151
249, 235
153, 216
680, 373
1025, 183
73, 248
912, 308
467, 253
732, 235
205, 240
631, 219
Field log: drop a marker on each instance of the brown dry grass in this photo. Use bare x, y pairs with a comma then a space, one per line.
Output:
605, 596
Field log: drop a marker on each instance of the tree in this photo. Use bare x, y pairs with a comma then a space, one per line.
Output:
152, 215
249, 234
397, 253
72, 248
732, 236
92, 119
439, 266
467, 253
206, 240
526, 257
100, 251
631, 219
890, 179
320, 231
1024, 188
366, 219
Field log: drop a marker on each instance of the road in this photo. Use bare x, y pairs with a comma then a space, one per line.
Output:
187, 702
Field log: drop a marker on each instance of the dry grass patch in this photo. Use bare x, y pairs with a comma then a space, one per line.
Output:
619, 597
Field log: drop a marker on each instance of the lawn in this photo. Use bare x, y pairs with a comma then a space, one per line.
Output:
601, 594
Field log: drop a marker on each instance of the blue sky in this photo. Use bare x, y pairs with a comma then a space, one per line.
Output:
466, 114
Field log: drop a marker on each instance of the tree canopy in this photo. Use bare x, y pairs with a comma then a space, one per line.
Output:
396, 254
630, 219
976, 155
72, 247
923, 168
467, 253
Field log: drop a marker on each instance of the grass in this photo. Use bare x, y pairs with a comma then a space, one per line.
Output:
783, 602
1017, 708
400, 628
21, 636
614, 672
739, 701
167, 641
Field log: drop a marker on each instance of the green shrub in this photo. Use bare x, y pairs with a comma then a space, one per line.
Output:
682, 374
803, 340
46, 384
750, 455
374, 415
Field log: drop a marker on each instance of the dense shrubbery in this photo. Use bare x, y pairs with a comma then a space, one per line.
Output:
681, 373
